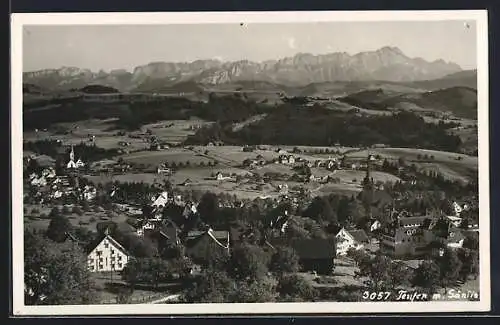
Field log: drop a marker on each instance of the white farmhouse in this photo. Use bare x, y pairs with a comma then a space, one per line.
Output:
161, 201
108, 255
346, 240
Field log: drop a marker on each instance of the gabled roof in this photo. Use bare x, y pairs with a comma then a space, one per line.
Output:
359, 235
113, 241
314, 248
407, 221
162, 199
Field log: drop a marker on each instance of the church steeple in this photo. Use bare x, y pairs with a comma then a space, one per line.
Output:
368, 180
72, 154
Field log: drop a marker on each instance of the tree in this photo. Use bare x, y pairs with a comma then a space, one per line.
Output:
208, 208
400, 274
55, 274
320, 209
294, 288
471, 241
284, 260
449, 266
377, 272
54, 212
470, 263
248, 262
58, 227
84, 235
148, 270
210, 287
65, 210
441, 229
261, 290
358, 255
77, 210
426, 276
33, 167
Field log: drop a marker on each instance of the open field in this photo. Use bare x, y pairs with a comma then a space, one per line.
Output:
88, 220
128, 178
230, 155
347, 176
452, 165
411, 154
175, 131
173, 155
108, 282
106, 134
343, 189
275, 168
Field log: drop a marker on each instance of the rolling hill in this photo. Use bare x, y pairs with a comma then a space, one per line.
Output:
460, 101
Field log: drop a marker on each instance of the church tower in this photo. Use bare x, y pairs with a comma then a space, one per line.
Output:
368, 180
368, 189
72, 154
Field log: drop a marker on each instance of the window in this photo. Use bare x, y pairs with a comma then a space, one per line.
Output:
119, 265
106, 261
106, 245
119, 258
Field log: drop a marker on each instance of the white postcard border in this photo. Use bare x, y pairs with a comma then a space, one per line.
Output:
20, 20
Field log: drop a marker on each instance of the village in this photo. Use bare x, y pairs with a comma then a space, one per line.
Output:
191, 218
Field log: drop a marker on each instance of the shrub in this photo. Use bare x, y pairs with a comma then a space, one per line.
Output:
44, 216
92, 219
66, 210
77, 210
85, 206
354, 180
33, 211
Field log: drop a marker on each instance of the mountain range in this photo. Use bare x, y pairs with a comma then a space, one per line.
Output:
388, 64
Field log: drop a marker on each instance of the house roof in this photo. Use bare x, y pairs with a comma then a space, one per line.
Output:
124, 227
419, 220
359, 235
314, 248
113, 241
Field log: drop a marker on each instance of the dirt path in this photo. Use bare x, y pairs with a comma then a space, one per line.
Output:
165, 299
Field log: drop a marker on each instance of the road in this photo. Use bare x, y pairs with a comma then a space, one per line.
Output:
165, 299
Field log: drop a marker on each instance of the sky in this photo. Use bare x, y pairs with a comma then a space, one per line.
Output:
110, 47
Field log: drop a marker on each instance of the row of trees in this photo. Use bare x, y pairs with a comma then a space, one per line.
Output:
250, 274
442, 270
292, 125
56, 273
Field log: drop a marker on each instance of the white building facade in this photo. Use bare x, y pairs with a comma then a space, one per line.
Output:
107, 256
